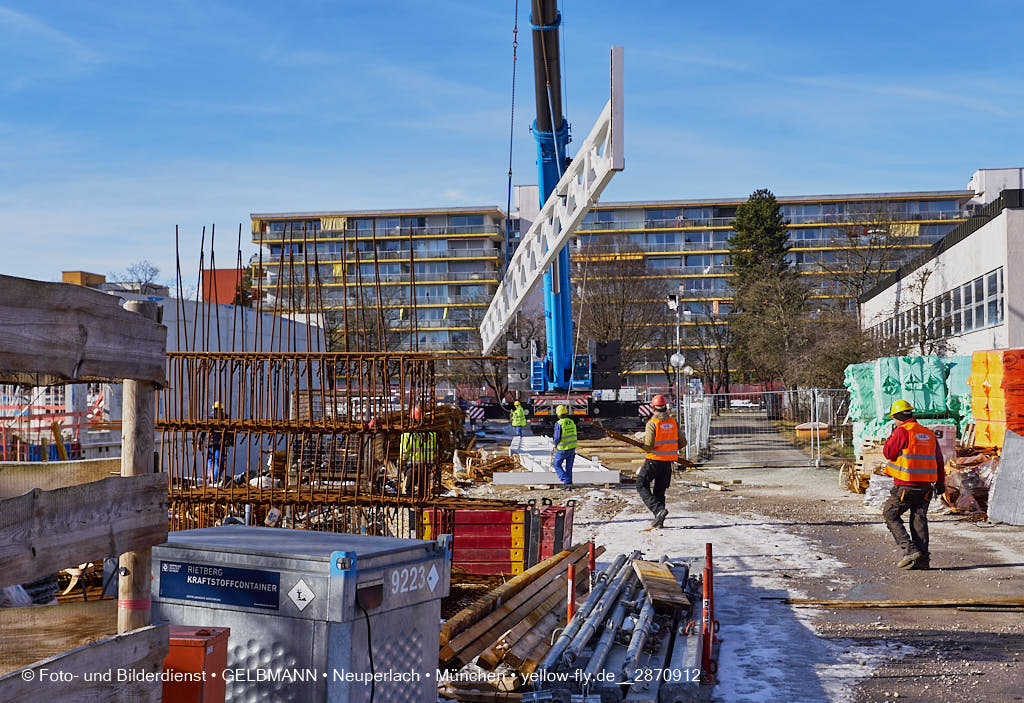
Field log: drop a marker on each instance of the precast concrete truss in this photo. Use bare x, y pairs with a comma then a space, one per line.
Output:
598, 159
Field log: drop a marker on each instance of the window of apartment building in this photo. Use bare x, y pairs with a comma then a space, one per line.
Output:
295, 226
431, 245
431, 267
468, 291
915, 206
463, 243
663, 262
662, 216
599, 216
936, 231
710, 239
431, 292
697, 213
417, 222
706, 284
664, 237
833, 208
704, 260
465, 220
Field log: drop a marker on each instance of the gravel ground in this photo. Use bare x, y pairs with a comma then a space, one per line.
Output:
795, 532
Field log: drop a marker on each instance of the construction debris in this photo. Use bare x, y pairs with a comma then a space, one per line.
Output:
634, 616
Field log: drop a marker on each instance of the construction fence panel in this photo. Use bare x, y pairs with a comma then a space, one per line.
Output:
777, 428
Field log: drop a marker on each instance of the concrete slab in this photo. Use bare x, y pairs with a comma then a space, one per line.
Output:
534, 452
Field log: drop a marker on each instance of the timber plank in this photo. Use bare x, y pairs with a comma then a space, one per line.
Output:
43, 532
490, 657
17, 478
660, 584
59, 332
519, 653
486, 605
482, 634
31, 634
141, 651
936, 603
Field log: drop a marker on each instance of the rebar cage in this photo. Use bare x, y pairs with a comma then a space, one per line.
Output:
302, 439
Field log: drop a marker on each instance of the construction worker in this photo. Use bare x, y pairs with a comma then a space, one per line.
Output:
417, 452
218, 443
518, 418
563, 454
916, 465
663, 438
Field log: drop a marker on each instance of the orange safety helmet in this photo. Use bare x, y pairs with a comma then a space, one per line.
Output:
660, 401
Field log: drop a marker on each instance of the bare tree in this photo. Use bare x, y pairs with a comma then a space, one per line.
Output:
923, 332
869, 250
618, 299
483, 371
716, 342
140, 272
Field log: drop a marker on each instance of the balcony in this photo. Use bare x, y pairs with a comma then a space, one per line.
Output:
435, 231
713, 222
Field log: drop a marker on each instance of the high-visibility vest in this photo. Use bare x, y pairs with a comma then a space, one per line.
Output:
418, 446
666, 440
918, 461
519, 416
568, 439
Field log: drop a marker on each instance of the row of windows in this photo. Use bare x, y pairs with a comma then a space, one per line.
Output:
972, 306
788, 210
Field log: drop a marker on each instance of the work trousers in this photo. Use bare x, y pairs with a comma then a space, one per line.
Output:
564, 459
652, 481
913, 499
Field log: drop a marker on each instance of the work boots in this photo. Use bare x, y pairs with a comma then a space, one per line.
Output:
659, 518
909, 560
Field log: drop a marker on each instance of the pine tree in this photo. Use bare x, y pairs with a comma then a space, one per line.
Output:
760, 241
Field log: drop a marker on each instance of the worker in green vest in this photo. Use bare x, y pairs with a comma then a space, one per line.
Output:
518, 418
564, 452
417, 451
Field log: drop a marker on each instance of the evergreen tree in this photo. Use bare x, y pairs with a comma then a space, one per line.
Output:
761, 240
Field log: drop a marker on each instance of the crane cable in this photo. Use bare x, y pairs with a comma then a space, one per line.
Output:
511, 131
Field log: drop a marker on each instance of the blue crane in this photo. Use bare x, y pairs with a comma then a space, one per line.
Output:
551, 130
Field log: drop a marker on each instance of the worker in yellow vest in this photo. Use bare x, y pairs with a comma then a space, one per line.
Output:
417, 452
564, 453
663, 439
917, 467
518, 419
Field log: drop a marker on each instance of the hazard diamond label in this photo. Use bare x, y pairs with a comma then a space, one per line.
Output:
433, 578
301, 595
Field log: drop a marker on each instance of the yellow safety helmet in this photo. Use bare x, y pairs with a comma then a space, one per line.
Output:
517, 403
218, 405
562, 410
900, 406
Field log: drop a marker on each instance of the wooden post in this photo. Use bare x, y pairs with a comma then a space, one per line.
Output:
138, 422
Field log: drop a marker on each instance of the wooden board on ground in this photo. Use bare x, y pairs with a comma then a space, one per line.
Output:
31, 634
45, 531
660, 584
140, 651
20, 477
64, 332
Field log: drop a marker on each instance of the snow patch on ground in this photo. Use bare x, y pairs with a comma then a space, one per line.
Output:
769, 651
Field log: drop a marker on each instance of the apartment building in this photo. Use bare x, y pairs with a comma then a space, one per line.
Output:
455, 255
450, 258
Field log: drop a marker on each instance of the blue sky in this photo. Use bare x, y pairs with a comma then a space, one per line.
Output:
120, 120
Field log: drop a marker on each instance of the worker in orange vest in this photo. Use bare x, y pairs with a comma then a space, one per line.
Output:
916, 465
663, 438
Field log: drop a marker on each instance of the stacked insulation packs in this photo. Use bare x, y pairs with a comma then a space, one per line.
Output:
936, 387
997, 395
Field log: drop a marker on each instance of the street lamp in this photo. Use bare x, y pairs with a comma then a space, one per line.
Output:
677, 360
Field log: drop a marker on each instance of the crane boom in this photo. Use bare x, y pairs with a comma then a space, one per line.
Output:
598, 159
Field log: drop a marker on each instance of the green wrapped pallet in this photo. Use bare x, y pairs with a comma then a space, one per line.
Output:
860, 380
887, 385
923, 384
958, 370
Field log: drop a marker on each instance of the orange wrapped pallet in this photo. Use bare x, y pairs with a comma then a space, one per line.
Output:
989, 433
